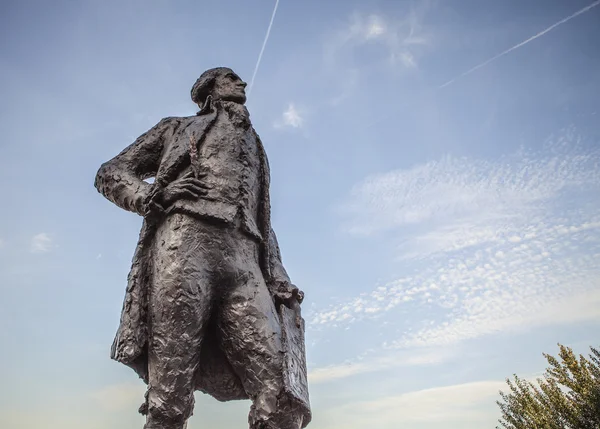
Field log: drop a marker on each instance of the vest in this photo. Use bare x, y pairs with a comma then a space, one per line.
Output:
228, 158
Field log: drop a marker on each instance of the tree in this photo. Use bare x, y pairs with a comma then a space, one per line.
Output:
567, 397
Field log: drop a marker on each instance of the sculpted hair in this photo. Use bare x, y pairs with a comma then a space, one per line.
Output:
205, 83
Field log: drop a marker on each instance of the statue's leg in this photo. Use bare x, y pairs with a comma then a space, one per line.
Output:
251, 339
179, 308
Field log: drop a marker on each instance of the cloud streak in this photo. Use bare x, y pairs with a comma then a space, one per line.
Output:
517, 46
262, 49
464, 188
482, 246
469, 402
383, 361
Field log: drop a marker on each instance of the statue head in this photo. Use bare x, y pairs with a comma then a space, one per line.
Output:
221, 83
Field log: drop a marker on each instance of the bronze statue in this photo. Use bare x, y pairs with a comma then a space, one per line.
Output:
208, 304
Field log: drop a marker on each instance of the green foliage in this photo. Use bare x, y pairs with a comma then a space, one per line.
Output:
567, 397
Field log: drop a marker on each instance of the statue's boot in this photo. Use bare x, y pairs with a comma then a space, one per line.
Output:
153, 425
277, 421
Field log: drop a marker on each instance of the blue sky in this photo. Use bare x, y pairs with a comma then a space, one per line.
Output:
444, 226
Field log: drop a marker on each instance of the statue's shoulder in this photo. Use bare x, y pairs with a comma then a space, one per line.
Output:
172, 120
173, 123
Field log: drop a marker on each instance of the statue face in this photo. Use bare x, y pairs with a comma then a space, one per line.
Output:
229, 87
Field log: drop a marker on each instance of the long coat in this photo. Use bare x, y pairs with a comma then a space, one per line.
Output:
163, 152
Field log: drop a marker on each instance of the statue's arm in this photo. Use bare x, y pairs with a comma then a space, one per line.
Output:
121, 180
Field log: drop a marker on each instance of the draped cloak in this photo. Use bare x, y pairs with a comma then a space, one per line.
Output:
163, 152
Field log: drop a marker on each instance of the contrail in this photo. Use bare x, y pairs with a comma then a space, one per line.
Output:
263, 47
540, 34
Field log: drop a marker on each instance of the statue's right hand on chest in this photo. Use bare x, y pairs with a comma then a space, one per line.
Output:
189, 186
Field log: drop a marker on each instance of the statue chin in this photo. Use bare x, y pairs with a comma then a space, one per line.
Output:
235, 98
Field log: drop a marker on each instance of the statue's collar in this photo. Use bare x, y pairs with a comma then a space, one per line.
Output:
237, 112
210, 105
207, 107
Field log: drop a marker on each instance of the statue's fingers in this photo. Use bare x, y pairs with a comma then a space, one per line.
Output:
196, 182
186, 179
202, 190
194, 188
187, 193
194, 174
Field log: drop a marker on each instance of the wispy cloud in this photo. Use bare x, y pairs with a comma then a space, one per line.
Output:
455, 188
518, 45
491, 247
527, 315
543, 274
41, 243
262, 49
402, 39
380, 362
291, 117
469, 402
368, 43
435, 404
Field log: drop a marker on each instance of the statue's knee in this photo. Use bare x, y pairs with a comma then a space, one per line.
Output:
277, 422
164, 418
274, 412
168, 411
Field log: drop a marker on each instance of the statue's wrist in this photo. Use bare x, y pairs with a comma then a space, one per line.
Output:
152, 206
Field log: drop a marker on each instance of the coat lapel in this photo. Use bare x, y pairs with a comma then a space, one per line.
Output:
177, 154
